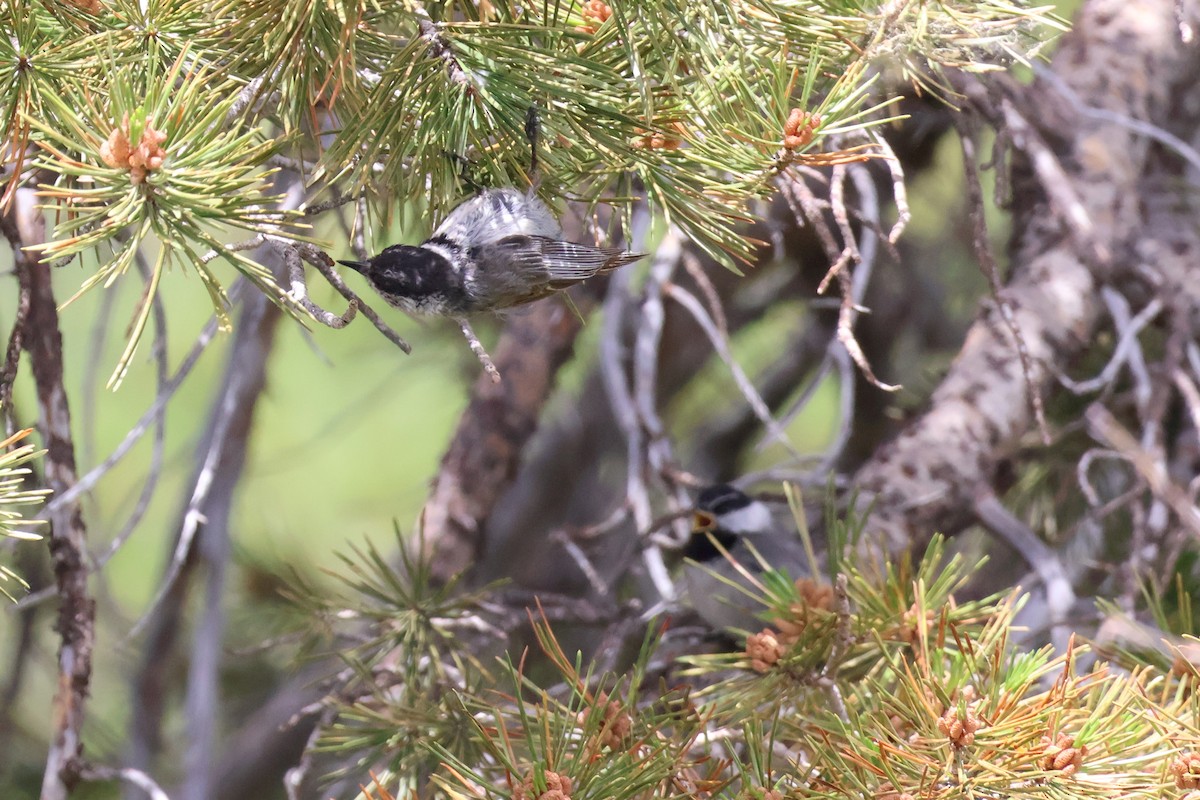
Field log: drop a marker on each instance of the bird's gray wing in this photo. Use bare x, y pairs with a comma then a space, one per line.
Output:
721, 595
539, 258
519, 269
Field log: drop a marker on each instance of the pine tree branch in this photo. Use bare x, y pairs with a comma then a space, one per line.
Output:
501, 417
22, 226
135, 778
922, 481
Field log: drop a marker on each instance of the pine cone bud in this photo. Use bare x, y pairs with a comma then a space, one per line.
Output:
800, 128
558, 787
764, 650
1061, 754
1186, 769
595, 14
145, 156
960, 732
615, 724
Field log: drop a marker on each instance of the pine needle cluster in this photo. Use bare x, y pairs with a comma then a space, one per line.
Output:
161, 126
14, 525
880, 683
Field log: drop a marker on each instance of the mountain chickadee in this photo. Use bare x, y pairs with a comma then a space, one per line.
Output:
713, 586
501, 248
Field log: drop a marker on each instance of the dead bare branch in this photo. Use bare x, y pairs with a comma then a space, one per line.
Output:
743, 382
133, 777
1108, 430
921, 481
22, 226
1126, 350
12, 360
477, 348
987, 263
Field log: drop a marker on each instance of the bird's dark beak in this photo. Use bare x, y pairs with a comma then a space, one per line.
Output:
703, 521
357, 266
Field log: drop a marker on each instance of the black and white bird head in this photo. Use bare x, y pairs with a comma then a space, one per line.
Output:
725, 513
418, 280
730, 527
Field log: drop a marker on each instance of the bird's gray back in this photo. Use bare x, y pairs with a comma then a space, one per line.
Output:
496, 213
725, 606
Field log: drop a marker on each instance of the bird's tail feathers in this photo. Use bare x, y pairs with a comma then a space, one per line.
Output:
618, 258
571, 261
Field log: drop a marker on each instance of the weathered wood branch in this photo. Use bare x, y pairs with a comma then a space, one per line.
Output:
23, 226
1123, 56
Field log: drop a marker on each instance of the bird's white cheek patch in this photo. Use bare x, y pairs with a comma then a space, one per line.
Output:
754, 518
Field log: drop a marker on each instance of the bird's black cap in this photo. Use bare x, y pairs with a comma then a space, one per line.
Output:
722, 499
417, 279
